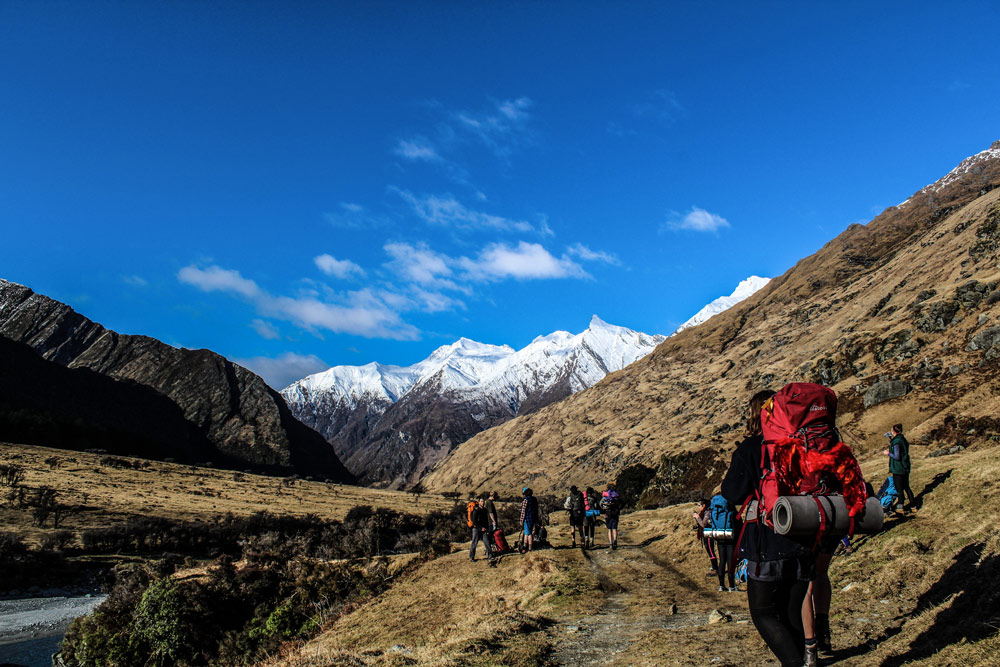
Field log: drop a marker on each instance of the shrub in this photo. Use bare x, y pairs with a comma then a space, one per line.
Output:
57, 541
11, 475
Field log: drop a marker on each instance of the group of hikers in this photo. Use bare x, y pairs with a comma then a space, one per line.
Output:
787, 582
584, 507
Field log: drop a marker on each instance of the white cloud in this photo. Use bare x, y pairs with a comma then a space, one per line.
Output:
419, 264
359, 313
216, 279
446, 211
338, 268
588, 255
135, 281
527, 261
281, 371
265, 329
697, 220
661, 105
417, 149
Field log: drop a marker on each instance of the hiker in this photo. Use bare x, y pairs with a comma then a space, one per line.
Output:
529, 517
724, 519
480, 530
702, 521
611, 505
491, 510
574, 503
778, 569
899, 464
590, 503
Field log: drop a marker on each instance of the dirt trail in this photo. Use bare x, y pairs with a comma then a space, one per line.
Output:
622, 618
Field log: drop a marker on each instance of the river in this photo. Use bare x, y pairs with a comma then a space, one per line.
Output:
31, 628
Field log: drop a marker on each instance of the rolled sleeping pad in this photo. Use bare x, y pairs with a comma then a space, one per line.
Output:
718, 533
799, 515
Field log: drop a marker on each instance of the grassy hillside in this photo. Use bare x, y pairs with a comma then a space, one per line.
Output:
105, 493
919, 593
898, 316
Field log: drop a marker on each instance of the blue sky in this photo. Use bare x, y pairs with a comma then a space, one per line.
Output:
298, 185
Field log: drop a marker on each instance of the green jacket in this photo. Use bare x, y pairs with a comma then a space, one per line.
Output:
899, 456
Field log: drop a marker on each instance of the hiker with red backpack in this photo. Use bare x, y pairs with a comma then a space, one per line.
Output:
778, 569
481, 531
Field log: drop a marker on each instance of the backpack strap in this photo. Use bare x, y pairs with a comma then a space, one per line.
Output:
739, 540
822, 522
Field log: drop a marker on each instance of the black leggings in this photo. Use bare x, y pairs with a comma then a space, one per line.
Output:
776, 610
725, 550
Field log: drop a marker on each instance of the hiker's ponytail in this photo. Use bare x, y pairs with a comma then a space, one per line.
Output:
757, 402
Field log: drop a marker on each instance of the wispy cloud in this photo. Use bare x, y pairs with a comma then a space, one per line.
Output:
281, 371
338, 268
501, 128
349, 215
360, 313
135, 281
588, 255
696, 220
217, 279
265, 329
660, 105
419, 264
417, 149
447, 211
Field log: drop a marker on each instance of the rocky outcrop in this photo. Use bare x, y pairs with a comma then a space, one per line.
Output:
881, 392
231, 415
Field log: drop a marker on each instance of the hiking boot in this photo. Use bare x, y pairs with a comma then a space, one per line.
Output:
734, 589
823, 641
811, 657
722, 589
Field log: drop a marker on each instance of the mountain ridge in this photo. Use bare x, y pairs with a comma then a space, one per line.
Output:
389, 423
246, 422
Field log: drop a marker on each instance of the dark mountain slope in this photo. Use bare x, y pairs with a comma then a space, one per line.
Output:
243, 421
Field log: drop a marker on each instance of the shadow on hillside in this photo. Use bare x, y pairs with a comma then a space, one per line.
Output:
974, 611
937, 481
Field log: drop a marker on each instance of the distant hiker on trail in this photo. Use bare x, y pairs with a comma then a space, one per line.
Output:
529, 517
724, 521
591, 512
480, 530
574, 503
611, 505
899, 464
778, 570
491, 510
702, 519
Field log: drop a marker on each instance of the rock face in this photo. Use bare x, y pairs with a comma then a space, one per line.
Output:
390, 424
198, 406
902, 298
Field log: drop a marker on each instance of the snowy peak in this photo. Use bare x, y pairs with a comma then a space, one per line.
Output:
744, 290
495, 370
971, 165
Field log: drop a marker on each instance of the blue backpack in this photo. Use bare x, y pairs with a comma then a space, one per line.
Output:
722, 513
888, 495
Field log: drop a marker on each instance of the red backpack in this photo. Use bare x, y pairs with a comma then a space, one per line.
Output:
802, 453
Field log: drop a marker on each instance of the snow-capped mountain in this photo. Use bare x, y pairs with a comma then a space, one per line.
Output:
744, 290
392, 423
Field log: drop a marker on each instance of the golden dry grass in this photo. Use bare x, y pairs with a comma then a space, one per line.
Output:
181, 492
